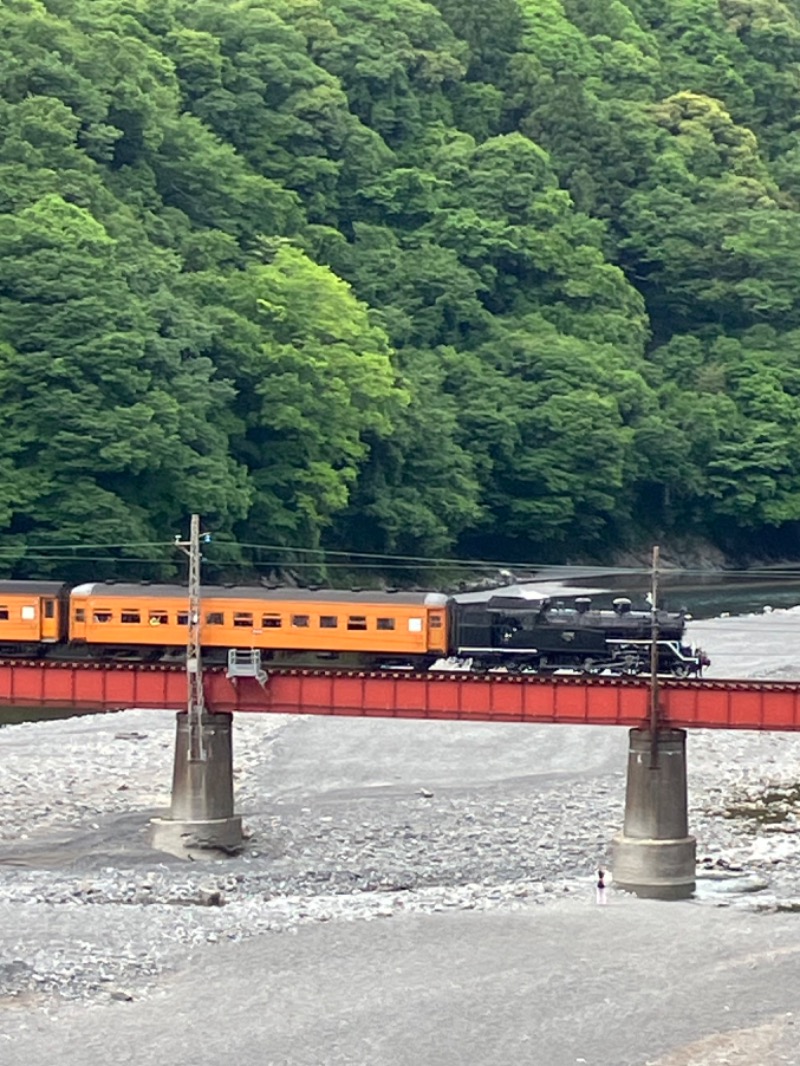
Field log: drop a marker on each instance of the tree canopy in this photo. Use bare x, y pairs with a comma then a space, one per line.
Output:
421, 277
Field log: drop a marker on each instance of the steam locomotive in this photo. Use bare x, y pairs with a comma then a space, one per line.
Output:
522, 634
370, 629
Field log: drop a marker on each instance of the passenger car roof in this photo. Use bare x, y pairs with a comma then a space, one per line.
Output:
261, 594
31, 588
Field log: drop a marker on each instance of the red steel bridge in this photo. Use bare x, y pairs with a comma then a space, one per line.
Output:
623, 701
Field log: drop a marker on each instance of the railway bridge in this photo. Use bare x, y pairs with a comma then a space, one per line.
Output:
654, 855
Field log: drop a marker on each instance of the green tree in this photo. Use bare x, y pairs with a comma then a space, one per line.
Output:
419, 491
311, 389
114, 415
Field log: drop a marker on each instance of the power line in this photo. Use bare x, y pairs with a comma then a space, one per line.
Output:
81, 547
434, 560
325, 557
587, 570
150, 560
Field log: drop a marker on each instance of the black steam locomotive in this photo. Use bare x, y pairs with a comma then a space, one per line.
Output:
535, 635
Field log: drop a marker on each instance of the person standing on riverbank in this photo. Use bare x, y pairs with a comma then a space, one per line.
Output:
601, 887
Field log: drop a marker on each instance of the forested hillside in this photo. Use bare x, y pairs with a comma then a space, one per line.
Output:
508, 277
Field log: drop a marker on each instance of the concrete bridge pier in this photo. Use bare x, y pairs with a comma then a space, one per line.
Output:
201, 819
654, 856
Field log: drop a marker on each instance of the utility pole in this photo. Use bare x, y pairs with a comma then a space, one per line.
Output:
201, 818
654, 661
654, 855
194, 658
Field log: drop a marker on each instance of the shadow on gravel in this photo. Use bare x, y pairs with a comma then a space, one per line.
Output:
117, 840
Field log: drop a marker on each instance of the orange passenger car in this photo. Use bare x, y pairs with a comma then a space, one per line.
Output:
328, 623
32, 613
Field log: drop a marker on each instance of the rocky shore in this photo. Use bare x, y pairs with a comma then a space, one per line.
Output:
88, 912
346, 821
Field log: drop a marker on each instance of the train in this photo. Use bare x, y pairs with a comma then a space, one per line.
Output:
369, 629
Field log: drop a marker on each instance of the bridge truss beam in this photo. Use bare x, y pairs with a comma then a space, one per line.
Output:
764, 705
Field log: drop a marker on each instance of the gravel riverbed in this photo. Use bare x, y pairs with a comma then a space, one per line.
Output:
347, 821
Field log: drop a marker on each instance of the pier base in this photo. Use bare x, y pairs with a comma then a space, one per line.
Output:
654, 856
201, 816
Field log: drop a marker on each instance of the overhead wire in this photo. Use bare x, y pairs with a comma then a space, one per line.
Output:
81, 547
433, 560
356, 559
148, 560
574, 569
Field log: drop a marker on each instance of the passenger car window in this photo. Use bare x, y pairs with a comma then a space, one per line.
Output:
271, 621
242, 618
386, 623
130, 617
3, 614
159, 618
300, 621
102, 616
328, 621
357, 621
215, 618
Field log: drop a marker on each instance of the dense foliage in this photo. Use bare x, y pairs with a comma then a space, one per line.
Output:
510, 277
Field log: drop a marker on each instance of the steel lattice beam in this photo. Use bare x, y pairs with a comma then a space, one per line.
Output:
480, 698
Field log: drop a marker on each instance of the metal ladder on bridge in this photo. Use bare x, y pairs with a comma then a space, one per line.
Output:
244, 662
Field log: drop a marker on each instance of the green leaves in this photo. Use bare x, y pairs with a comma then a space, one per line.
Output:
104, 413
314, 382
416, 276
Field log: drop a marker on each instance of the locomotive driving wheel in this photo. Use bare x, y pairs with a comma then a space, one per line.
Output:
632, 665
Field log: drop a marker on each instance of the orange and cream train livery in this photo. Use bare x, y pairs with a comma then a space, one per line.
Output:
32, 614
281, 622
